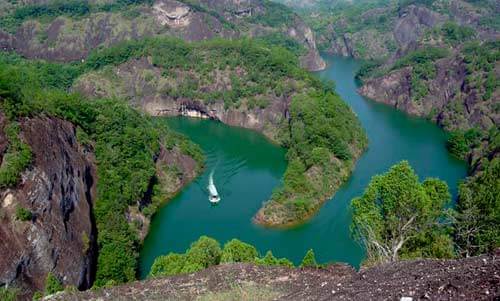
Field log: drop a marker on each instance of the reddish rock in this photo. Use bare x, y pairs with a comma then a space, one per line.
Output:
59, 190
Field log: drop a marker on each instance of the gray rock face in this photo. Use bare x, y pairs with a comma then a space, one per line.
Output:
59, 190
450, 102
413, 20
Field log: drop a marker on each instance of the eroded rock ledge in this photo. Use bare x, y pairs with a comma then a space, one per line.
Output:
476, 278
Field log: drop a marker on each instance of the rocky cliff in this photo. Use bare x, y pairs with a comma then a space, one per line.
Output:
47, 222
452, 100
143, 84
474, 278
68, 38
59, 190
391, 30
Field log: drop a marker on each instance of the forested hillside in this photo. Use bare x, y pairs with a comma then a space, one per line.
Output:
69, 30
128, 148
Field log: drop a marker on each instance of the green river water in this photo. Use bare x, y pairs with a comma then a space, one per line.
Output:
247, 167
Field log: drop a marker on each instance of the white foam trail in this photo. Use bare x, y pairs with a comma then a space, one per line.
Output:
214, 195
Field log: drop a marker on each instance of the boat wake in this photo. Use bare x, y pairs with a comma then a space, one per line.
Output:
213, 197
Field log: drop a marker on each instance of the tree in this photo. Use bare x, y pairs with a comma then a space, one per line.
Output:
171, 264
23, 214
204, 252
477, 225
238, 251
309, 260
399, 216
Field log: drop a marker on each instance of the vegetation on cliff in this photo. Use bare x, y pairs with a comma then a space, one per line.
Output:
125, 143
50, 10
323, 135
376, 29
254, 72
477, 224
17, 157
67, 27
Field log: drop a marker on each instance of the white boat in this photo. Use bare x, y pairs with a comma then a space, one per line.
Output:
213, 197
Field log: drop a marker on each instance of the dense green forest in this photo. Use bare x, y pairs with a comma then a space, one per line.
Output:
125, 143
324, 139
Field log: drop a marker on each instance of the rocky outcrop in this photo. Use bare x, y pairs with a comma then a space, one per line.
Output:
369, 44
476, 278
389, 32
174, 170
59, 190
412, 22
312, 60
68, 39
450, 101
147, 93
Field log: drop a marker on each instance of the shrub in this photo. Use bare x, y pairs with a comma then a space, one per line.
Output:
23, 214
17, 158
459, 143
270, 260
171, 264
204, 252
238, 251
37, 296
456, 34
52, 284
8, 294
421, 56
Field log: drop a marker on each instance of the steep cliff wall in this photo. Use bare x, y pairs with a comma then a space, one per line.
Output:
59, 190
454, 98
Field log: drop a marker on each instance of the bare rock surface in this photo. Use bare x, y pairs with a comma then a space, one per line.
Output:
59, 190
475, 278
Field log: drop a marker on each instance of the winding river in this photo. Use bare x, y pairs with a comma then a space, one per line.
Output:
247, 167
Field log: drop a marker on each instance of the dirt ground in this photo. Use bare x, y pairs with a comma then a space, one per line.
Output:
476, 278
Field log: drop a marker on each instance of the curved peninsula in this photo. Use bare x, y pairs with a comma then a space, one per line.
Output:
248, 84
